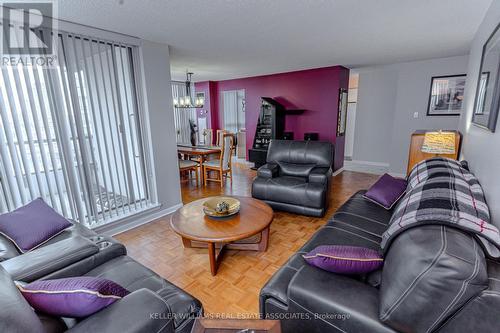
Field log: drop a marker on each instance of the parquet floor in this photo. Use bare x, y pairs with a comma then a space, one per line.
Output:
234, 290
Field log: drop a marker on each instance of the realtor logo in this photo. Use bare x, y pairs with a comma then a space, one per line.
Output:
28, 33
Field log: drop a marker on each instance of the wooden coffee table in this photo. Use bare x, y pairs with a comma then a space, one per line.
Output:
247, 230
204, 325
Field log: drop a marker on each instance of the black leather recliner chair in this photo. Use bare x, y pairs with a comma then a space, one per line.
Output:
296, 177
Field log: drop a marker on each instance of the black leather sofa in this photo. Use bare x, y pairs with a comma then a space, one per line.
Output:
296, 177
435, 279
154, 305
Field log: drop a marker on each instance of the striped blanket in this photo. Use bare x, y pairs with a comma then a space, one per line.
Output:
440, 191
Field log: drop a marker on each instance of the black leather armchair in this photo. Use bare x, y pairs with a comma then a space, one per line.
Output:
296, 177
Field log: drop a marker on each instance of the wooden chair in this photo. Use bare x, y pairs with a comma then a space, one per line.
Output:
188, 166
223, 165
219, 138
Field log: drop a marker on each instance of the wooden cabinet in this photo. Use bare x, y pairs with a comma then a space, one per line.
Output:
416, 154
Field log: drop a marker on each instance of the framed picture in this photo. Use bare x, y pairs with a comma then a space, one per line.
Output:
446, 95
342, 114
487, 102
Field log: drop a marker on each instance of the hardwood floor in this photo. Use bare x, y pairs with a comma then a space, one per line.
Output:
235, 289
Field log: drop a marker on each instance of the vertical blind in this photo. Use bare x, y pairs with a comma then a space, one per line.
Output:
230, 105
182, 116
72, 134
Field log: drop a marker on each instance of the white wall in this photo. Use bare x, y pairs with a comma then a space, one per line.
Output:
374, 114
161, 120
481, 147
388, 97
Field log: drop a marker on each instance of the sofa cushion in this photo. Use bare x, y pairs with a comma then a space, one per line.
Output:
133, 276
361, 215
32, 225
302, 152
277, 286
344, 259
142, 311
341, 303
358, 222
50, 258
290, 190
295, 169
430, 272
77, 297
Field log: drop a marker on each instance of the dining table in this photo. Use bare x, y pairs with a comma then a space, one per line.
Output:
200, 152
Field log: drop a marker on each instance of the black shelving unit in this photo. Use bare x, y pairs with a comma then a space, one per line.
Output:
270, 125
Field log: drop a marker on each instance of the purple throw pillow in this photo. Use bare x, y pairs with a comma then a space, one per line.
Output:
76, 297
32, 225
387, 191
344, 259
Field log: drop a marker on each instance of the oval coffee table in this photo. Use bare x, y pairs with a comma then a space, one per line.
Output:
247, 230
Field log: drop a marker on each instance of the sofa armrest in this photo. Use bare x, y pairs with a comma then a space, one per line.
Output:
269, 170
35, 264
140, 311
342, 301
320, 175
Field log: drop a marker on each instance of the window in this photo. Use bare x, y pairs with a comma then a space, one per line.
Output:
72, 134
182, 116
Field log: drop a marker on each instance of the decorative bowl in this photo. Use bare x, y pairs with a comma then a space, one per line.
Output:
221, 206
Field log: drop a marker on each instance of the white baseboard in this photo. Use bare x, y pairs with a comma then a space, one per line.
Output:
339, 171
135, 221
377, 168
398, 175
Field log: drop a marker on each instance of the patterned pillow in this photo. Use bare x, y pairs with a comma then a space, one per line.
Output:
76, 297
344, 259
386, 191
32, 225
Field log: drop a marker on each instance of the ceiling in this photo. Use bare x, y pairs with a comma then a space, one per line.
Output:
222, 39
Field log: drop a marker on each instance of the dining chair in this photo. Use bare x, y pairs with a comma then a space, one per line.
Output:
219, 138
223, 165
187, 167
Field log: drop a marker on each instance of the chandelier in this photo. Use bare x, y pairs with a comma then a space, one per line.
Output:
186, 102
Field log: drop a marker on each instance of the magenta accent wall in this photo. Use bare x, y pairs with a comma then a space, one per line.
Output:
315, 90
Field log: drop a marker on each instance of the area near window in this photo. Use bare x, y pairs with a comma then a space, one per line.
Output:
72, 134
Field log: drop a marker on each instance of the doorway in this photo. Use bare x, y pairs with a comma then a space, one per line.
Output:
352, 98
233, 118
233, 106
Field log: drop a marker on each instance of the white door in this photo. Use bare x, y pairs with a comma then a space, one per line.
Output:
351, 115
349, 132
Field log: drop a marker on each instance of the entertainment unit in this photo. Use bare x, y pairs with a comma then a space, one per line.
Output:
270, 125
